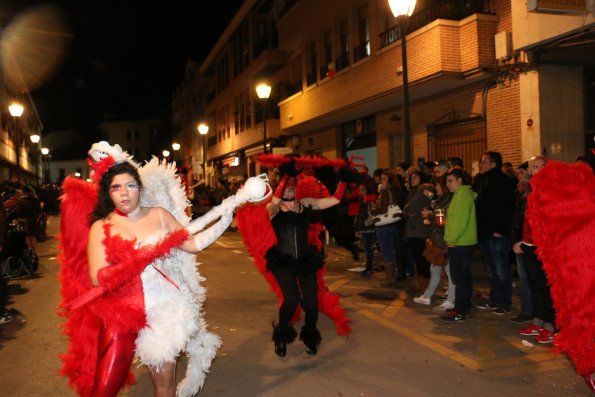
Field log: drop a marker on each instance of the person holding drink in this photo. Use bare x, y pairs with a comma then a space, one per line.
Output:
435, 250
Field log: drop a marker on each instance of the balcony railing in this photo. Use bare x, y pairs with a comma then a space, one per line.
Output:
454, 10
310, 79
264, 43
361, 51
342, 61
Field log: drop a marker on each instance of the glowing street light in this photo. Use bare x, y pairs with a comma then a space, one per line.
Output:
165, 153
35, 138
402, 10
45, 151
263, 90
175, 146
203, 129
16, 111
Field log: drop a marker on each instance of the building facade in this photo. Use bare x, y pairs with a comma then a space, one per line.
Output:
483, 75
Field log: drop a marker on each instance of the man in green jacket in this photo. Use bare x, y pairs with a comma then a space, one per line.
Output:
461, 237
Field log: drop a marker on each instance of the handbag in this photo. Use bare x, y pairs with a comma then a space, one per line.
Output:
392, 214
435, 255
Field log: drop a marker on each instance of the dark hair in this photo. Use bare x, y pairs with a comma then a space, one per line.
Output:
494, 157
378, 172
460, 174
442, 182
455, 161
105, 205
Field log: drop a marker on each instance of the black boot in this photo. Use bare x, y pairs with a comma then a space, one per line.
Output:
281, 337
311, 339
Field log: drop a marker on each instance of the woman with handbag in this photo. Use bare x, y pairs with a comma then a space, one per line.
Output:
364, 226
435, 251
386, 216
416, 230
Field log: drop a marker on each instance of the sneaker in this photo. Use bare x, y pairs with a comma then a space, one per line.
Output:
6, 318
521, 318
531, 330
545, 336
486, 306
445, 306
422, 300
502, 311
453, 317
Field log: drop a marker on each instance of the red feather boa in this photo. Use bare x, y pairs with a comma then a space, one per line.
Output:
561, 212
257, 233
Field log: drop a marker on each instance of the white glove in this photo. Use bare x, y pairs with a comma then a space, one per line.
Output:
228, 205
209, 236
253, 190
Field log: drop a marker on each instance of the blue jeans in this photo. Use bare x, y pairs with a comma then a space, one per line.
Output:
524, 289
367, 240
386, 236
459, 261
495, 252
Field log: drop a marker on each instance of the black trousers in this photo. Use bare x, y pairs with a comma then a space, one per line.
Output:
297, 289
543, 306
422, 266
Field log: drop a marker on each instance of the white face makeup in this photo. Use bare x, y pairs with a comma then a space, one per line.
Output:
125, 193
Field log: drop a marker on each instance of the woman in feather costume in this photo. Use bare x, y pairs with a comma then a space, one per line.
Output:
283, 236
129, 280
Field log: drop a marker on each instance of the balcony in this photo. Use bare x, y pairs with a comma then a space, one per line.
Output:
361, 51
454, 10
342, 61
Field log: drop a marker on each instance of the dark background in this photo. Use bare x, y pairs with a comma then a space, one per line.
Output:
123, 58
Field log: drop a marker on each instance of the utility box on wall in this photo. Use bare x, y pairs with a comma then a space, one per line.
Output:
503, 44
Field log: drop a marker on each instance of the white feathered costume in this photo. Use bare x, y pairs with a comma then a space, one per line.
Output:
173, 299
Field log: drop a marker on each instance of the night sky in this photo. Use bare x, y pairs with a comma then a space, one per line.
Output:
123, 57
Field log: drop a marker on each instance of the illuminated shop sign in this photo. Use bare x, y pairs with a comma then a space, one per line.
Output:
231, 162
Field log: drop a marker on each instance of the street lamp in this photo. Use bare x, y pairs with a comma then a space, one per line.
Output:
263, 90
16, 111
165, 153
402, 10
35, 138
175, 146
46, 165
203, 129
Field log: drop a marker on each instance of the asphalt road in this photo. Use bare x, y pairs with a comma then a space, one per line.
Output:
397, 348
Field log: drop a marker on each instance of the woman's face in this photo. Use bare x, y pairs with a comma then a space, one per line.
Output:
438, 188
384, 180
453, 183
414, 180
125, 192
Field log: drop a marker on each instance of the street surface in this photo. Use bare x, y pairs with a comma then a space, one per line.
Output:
397, 348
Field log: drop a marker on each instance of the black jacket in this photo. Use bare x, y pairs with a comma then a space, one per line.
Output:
494, 204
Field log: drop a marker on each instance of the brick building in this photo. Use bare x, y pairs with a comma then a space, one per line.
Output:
475, 82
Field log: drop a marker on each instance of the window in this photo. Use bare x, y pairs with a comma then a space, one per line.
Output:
222, 73
342, 60
312, 64
362, 50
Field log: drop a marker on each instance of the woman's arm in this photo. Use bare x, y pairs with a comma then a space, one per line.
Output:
96, 251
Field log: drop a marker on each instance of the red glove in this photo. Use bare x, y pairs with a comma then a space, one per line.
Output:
281, 188
340, 190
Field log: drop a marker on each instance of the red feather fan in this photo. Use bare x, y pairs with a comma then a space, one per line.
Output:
561, 212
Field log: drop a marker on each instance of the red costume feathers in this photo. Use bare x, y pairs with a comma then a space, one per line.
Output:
561, 212
258, 235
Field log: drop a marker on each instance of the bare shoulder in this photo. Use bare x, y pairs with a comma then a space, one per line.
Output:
96, 229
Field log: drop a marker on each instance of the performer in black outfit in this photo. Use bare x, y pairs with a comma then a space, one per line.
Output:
297, 256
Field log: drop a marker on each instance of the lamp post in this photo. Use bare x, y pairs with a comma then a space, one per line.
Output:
176, 147
45, 153
165, 154
203, 129
263, 90
16, 111
402, 10
35, 138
